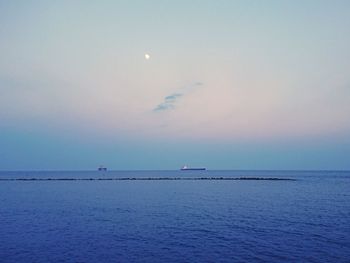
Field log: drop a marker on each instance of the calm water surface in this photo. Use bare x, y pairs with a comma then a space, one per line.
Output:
307, 220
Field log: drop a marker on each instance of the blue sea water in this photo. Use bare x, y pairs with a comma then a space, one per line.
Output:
306, 220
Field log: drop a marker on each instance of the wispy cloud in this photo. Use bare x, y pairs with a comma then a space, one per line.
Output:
170, 101
173, 97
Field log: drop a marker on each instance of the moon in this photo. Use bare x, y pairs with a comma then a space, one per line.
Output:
147, 56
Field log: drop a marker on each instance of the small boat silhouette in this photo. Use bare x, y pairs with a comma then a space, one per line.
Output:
102, 168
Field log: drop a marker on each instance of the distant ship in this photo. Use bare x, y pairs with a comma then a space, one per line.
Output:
102, 168
186, 168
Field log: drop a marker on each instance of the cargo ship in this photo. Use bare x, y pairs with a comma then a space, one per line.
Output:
186, 168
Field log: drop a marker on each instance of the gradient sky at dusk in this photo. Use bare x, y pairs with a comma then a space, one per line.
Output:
229, 84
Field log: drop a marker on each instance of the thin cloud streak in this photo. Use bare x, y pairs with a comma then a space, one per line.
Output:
170, 101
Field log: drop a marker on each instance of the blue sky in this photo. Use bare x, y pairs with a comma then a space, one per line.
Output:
229, 84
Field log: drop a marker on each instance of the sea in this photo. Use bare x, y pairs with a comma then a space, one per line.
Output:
174, 216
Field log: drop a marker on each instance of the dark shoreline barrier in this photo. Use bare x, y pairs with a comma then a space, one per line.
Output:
152, 179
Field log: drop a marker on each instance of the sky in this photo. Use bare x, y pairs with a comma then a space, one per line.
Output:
227, 84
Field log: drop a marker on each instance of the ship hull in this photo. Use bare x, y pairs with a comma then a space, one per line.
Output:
193, 169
